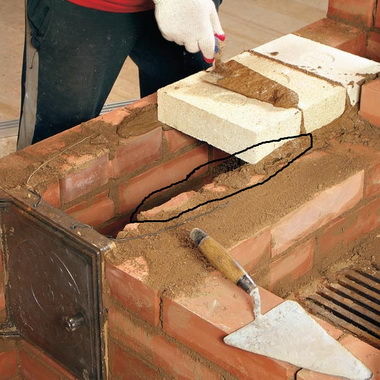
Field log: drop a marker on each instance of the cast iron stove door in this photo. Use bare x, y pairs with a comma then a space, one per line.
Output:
52, 293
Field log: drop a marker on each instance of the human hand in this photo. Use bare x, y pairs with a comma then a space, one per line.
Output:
191, 23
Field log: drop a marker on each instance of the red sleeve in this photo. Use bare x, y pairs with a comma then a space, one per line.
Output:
118, 6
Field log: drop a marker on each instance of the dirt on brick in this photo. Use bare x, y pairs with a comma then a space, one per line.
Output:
238, 78
267, 191
175, 265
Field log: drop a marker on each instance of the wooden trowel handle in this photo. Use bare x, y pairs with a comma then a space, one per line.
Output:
222, 260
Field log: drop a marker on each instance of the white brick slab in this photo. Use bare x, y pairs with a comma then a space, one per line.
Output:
224, 119
320, 101
325, 61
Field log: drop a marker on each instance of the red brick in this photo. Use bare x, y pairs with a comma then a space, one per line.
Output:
94, 211
2, 297
202, 320
373, 46
132, 335
32, 369
126, 282
359, 12
214, 188
370, 100
336, 34
50, 147
255, 179
176, 140
314, 155
36, 355
293, 265
137, 152
377, 17
218, 154
162, 353
347, 230
250, 252
1, 262
369, 355
52, 194
8, 365
82, 182
173, 204
143, 102
124, 365
181, 166
132, 193
373, 182
114, 117
323, 208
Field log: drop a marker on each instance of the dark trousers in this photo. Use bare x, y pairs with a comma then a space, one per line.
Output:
73, 56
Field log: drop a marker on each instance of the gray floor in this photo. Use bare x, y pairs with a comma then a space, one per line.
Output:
247, 23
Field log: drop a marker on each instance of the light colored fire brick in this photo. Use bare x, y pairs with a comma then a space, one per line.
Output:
320, 101
233, 122
347, 69
224, 119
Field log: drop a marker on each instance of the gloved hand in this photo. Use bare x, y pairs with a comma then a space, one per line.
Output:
192, 23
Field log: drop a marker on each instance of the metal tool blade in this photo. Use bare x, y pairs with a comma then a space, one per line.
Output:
289, 333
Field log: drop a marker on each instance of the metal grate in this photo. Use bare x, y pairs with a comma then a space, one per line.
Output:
352, 302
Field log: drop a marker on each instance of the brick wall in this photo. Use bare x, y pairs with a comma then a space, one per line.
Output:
353, 26
143, 323
350, 25
152, 335
155, 336
98, 188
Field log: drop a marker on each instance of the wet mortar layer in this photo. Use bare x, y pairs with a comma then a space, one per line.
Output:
238, 78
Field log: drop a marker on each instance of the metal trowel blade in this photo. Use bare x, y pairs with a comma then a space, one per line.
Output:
211, 77
289, 333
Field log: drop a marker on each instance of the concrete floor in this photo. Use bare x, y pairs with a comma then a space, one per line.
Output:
247, 23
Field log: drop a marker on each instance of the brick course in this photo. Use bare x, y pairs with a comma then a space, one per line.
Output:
94, 211
35, 364
133, 192
84, 181
323, 208
359, 12
373, 46
8, 365
348, 229
137, 152
250, 252
336, 34
162, 353
199, 317
127, 285
126, 366
373, 182
176, 140
293, 265
370, 100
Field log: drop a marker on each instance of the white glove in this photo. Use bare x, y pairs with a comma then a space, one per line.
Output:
192, 23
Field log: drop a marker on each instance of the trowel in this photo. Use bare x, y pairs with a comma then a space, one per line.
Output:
287, 332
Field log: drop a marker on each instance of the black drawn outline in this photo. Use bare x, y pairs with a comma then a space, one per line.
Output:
227, 196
